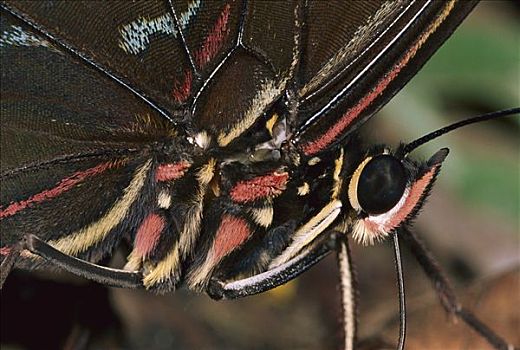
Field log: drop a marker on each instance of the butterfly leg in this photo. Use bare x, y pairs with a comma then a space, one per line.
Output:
97, 273
9, 262
402, 300
348, 293
219, 289
445, 292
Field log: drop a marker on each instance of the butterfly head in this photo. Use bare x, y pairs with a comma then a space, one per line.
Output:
386, 191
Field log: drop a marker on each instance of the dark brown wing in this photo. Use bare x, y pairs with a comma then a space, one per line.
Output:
352, 72
67, 135
71, 144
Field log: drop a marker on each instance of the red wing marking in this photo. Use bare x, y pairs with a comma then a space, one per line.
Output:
5, 250
182, 91
259, 187
171, 171
337, 129
210, 47
214, 40
232, 232
63, 186
148, 234
417, 191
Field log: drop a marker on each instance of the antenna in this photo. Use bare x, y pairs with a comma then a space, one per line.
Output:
480, 118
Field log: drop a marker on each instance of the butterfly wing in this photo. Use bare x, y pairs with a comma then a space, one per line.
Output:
71, 140
367, 64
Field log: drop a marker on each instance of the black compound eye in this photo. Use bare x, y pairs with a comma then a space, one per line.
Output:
381, 184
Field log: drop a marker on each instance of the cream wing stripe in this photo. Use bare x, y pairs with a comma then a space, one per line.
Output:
86, 237
169, 267
268, 92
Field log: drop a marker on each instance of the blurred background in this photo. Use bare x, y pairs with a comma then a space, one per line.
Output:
471, 223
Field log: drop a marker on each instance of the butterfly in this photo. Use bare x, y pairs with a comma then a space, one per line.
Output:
217, 139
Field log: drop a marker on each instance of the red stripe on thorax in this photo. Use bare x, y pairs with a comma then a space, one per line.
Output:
231, 234
259, 187
171, 171
63, 186
148, 234
213, 42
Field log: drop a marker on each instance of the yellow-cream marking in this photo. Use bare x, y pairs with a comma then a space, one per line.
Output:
202, 139
206, 172
313, 161
308, 232
198, 278
169, 266
164, 200
269, 91
338, 165
263, 216
320, 222
270, 123
194, 214
303, 189
86, 237
267, 94
164, 270
433, 27
352, 187
133, 262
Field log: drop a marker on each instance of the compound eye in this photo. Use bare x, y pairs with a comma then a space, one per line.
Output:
381, 184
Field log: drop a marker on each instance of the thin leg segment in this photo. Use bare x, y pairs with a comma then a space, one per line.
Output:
445, 292
402, 299
348, 294
97, 273
9, 262
275, 277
